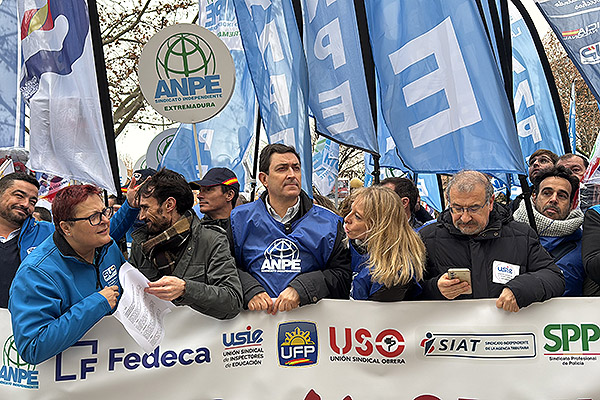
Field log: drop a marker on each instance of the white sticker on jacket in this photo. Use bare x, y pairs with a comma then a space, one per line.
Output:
504, 272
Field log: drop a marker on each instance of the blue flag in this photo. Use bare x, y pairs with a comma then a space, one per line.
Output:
575, 24
442, 96
572, 129
278, 68
11, 115
537, 125
338, 90
429, 191
325, 165
225, 138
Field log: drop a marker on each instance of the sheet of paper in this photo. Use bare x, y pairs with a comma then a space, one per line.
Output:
141, 313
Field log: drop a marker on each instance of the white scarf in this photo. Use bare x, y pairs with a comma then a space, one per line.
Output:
548, 226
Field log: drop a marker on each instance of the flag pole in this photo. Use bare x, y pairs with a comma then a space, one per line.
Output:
197, 146
369, 67
255, 161
105, 105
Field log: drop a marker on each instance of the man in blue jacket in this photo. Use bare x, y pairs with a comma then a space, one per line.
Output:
20, 233
289, 252
559, 227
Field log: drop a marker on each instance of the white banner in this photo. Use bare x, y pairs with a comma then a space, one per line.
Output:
332, 351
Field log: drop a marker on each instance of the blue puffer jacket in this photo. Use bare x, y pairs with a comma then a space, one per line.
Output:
54, 297
571, 263
33, 232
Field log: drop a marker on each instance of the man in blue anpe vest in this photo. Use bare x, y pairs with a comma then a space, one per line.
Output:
289, 252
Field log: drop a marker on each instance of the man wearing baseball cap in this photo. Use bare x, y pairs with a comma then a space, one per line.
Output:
218, 191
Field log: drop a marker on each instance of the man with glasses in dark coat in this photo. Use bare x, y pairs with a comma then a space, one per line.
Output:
504, 257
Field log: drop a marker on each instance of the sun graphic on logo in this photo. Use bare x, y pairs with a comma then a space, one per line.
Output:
297, 338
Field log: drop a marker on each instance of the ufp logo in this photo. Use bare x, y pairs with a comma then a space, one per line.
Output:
590, 54
298, 344
564, 338
282, 256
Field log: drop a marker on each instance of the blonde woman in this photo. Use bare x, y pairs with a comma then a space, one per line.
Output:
388, 257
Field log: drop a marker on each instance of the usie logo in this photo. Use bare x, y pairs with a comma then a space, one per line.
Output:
243, 339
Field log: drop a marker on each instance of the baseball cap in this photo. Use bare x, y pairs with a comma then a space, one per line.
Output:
217, 176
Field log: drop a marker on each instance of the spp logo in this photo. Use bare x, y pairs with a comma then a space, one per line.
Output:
282, 256
298, 344
388, 343
563, 338
590, 54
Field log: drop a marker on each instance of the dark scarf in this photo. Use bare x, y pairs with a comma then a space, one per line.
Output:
165, 248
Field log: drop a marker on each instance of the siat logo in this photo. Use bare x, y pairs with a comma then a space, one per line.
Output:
179, 60
52, 39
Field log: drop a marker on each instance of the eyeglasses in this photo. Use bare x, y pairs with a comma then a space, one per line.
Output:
541, 160
95, 218
461, 210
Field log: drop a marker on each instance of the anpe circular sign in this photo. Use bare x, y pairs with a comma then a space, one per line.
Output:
186, 73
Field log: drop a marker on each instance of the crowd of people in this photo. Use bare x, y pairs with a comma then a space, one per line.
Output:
284, 250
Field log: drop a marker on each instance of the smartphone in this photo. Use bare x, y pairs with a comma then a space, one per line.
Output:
464, 274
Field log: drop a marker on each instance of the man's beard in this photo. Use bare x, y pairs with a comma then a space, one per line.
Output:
12, 216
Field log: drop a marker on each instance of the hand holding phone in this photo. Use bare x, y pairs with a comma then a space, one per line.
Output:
463, 274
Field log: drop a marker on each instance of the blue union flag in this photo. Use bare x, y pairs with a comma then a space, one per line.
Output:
443, 100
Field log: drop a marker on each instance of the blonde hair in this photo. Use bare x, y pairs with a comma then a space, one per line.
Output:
396, 252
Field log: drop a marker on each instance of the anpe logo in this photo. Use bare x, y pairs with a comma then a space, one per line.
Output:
15, 371
298, 344
184, 54
282, 255
186, 73
570, 343
389, 343
180, 56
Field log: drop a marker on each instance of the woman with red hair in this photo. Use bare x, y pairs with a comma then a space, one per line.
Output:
70, 281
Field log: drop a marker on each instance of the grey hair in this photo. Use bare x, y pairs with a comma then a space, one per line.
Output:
467, 180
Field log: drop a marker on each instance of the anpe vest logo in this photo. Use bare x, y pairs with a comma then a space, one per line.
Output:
282, 255
298, 344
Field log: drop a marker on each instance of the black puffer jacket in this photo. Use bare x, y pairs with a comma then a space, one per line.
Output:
504, 240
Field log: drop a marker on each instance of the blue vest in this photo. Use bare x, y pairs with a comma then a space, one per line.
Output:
362, 285
275, 258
